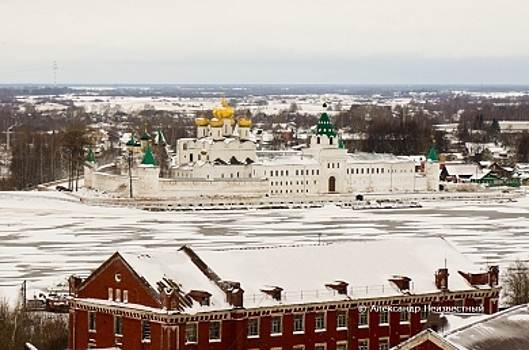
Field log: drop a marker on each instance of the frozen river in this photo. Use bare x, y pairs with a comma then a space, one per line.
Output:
45, 240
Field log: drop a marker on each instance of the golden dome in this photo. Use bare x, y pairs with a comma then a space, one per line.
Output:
223, 112
202, 121
232, 122
244, 122
215, 123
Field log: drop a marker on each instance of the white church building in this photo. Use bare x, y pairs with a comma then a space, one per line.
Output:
223, 162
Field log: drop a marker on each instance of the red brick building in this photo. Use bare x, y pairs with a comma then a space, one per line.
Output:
357, 295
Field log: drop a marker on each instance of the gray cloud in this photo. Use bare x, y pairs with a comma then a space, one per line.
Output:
378, 41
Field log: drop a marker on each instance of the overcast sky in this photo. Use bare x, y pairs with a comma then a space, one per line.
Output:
265, 41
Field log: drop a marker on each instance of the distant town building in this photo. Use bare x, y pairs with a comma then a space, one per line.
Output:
355, 295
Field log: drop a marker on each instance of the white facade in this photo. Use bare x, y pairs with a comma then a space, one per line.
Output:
224, 163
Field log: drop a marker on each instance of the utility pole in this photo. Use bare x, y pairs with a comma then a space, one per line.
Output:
130, 173
8, 136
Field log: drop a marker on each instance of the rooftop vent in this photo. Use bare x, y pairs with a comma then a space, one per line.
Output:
273, 291
339, 286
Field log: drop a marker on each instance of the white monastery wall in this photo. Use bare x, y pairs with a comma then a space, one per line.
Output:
182, 188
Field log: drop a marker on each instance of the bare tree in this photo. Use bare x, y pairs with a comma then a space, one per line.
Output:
516, 283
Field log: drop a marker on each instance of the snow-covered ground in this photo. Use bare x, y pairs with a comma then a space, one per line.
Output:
44, 239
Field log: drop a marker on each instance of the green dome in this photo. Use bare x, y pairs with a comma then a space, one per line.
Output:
131, 142
145, 137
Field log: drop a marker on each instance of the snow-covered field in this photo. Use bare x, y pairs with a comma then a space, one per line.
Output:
44, 240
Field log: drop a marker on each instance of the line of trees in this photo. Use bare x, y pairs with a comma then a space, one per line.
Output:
41, 157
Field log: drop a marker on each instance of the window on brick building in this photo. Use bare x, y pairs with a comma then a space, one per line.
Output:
145, 330
214, 330
341, 346
110, 294
383, 344
363, 345
341, 319
425, 312
253, 327
404, 315
298, 347
92, 321
299, 323
191, 333
276, 327
383, 316
320, 347
118, 325
478, 302
363, 317
319, 321
125, 296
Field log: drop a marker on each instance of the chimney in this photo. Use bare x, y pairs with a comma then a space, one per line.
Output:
73, 284
339, 286
170, 299
494, 272
441, 279
234, 293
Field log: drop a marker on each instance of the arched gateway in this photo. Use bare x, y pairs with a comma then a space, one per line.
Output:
332, 184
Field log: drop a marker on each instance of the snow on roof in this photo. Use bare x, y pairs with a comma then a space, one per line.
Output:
359, 157
480, 174
462, 169
457, 320
503, 330
289, 160
303, 271
178, 267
